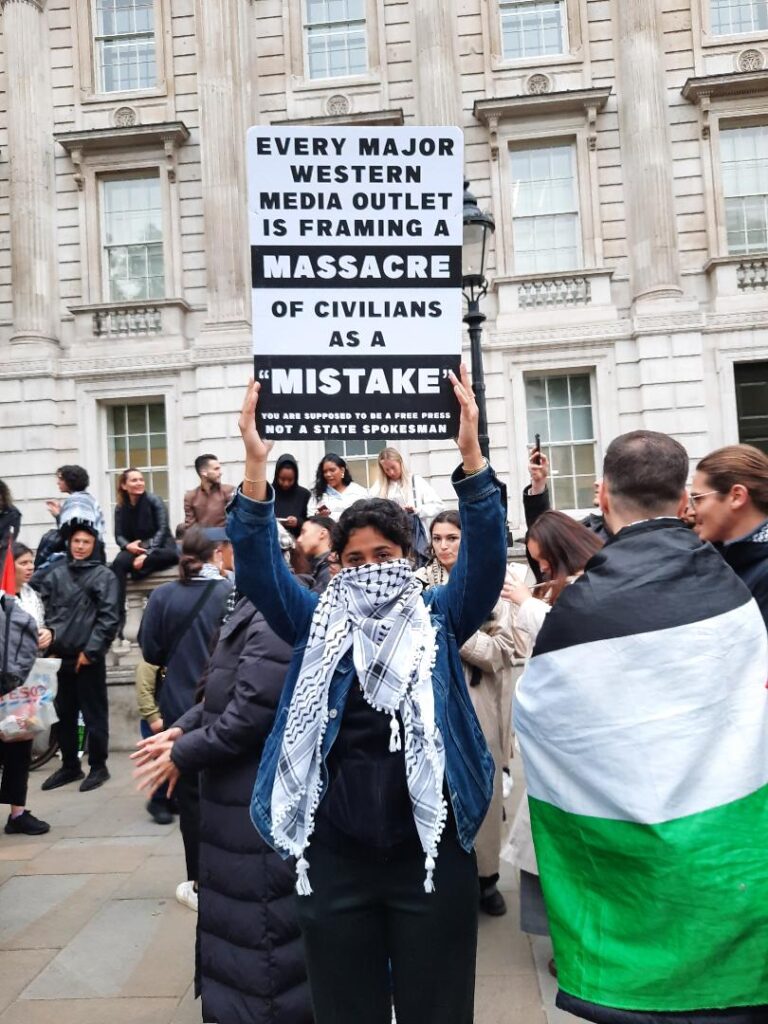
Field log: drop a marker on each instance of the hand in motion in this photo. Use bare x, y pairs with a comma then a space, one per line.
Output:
538, 467
291, 522
467, 439
515, 591
151, 776
153, 746
44, 638
54, 507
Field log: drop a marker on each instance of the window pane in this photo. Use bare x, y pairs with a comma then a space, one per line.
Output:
744, 153
582, 423
537, 424
130, 444
532, 28
580, 390
557, 391
546, 230
125, 38
133, 238
563, 492
584, 461
560, 420
585, 492
159, 484
335, 38
535, 393
137, 419
733, 17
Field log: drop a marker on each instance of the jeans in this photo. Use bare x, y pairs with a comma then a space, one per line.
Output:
364, 917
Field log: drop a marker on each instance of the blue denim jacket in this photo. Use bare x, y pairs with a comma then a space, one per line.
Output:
458, 609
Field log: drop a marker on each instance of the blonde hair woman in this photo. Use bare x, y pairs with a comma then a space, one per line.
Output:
410, 491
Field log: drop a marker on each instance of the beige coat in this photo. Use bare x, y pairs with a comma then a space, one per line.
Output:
491, 650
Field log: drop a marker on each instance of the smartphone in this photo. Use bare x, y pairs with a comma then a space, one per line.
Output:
536, 457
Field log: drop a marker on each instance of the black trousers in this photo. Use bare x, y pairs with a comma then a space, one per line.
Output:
15, 759
187, 795
371, 935
84, 691
156, 560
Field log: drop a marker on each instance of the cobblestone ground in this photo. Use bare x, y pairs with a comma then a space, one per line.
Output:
89, 922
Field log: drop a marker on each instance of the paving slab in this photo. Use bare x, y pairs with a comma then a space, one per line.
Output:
17, 969
91, 1011
89, 856
123, 951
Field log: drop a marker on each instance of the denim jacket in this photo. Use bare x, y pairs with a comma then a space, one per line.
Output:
457, 609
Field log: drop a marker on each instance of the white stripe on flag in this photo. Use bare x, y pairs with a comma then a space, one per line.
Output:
649, 727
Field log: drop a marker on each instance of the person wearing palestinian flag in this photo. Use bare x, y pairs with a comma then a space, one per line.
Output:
643, 721
376, 776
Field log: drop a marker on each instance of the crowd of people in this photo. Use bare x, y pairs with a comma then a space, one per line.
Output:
326, 697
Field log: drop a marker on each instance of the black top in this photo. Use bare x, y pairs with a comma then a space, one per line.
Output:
147, 521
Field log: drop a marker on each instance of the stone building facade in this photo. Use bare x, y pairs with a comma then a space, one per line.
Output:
622, 148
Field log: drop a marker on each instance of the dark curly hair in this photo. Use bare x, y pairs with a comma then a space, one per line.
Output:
319, 488
75, 477
6, 498
380, 514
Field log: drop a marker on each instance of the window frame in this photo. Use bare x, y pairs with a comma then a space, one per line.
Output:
368, 459
527, 58
574, 31
710, 38
571, 146
328, 79
713, 175
723, 198
86, 58
106, 282
294, 17
112, 473
99, 39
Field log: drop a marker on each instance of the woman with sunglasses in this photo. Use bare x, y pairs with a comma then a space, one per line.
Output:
376, 776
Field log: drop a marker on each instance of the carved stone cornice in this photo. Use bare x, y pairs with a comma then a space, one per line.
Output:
364, 118
168, 135
38, 4
739, 85
541, 104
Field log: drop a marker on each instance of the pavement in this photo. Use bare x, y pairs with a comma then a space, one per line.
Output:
91, 933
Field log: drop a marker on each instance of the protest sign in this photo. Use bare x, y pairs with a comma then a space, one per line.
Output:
356, 269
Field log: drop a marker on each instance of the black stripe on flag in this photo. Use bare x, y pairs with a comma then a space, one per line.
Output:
651, 576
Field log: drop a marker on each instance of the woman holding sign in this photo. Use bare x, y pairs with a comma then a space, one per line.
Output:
376, 776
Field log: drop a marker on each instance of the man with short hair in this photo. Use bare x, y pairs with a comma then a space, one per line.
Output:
206, 504
82, 609
643, 722
315, 541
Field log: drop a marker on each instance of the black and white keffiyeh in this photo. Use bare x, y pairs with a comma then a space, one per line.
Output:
378, 611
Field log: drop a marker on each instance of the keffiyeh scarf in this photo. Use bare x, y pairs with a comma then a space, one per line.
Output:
378, 612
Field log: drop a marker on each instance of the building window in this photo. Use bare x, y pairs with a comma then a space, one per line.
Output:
361, 457
752, 403
559, 409
133, 239
737, 17
335, 38
532, 28
545, 204
744, 154
125, 45
137, 437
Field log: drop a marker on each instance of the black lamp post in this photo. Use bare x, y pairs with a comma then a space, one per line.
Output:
478, 228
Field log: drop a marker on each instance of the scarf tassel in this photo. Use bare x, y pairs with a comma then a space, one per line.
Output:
303, 888
395, 742
429, 864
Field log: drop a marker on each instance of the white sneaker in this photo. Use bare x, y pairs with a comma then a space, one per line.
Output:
185, 893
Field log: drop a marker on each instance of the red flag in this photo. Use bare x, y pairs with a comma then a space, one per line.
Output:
8, 579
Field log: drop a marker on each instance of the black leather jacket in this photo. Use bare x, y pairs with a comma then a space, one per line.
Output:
157, 536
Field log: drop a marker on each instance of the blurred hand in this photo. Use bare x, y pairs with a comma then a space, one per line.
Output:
539, 471
516, 592
139, 561
135, 548
82, 661
156, 726
154, 746
54, 507
291, 522
44, 638
151, 776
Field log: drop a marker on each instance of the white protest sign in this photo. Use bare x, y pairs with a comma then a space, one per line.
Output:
356, 268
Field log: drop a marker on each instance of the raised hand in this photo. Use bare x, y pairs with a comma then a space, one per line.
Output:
256, 448
538, 467
467, 440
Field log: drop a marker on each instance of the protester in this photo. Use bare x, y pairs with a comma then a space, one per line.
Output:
291, 500
487, 661
316, 543
176, 629
536, 497
562, 548
643, 723
82, 611
205, 505
251, 962
10, 520
15, 757
334, 488
412, 492
385, 739
729, 497
148, 679
78, 504
142, 533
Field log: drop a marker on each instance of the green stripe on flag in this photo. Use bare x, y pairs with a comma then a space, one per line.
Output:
667, 917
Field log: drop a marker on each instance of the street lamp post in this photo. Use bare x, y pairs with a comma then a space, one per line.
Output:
478, 228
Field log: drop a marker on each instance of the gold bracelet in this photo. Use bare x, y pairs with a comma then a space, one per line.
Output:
474, 472
247, 480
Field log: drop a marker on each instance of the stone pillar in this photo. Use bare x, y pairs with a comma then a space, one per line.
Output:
436, 62
221, 82
646, 151
30, 157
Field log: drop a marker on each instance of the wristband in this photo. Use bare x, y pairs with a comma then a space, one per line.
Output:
474, 472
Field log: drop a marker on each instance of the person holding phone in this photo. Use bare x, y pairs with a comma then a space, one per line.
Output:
334, 488
291, 500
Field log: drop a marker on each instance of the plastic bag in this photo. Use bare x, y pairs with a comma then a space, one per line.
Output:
29, 709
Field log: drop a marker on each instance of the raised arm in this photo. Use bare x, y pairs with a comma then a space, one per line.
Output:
262, 574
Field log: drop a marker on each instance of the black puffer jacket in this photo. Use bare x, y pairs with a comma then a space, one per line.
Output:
748, 558
251, 966
82, 607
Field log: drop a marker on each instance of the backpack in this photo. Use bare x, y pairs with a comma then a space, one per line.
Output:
18, 644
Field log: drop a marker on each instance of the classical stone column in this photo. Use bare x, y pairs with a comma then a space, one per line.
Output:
436, 62
221, 81
646, 150
30, 157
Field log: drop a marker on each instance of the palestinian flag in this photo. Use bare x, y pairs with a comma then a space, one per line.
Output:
643, 723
